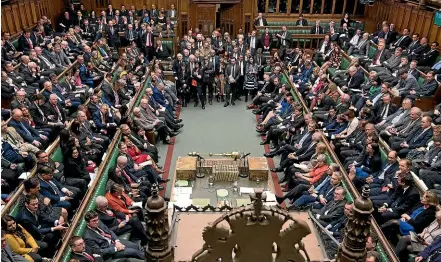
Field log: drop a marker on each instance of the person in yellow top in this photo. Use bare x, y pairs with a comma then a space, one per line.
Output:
20, 241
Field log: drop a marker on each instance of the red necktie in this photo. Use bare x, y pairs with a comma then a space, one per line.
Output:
89, 257
104, 234
126, 176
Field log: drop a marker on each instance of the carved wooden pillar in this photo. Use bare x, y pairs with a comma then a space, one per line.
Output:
357, 230
158, 245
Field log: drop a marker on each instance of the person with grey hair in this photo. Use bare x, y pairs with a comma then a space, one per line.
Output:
120, 223
141, 121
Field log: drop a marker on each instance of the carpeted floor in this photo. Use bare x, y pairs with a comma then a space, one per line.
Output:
215, 129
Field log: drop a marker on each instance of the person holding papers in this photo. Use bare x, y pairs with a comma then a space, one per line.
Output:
122, 203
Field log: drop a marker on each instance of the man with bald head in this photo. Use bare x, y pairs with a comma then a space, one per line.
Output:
28, 133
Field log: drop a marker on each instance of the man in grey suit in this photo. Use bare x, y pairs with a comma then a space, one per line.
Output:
406, 83
400, 117
60, 57
390, 64
232, 74
400, 130
362, 47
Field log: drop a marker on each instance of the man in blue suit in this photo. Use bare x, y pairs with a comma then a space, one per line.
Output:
416, 139
159, 97
50, 188
104, 121
28, 133
382, 178
304, 140
42, 227
320, 195
85, 77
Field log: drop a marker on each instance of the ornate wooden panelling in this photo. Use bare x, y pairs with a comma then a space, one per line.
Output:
403, 15
25, 14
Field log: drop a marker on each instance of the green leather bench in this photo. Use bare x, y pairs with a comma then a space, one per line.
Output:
100, 190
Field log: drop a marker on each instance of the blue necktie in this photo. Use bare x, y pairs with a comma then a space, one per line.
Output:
27, 131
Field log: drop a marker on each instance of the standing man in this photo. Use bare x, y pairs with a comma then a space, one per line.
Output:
148, 43
284, 41
232, 74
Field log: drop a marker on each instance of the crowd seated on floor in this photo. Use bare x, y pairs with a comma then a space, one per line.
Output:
65, 93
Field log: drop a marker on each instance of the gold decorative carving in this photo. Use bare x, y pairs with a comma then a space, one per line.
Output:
254, 234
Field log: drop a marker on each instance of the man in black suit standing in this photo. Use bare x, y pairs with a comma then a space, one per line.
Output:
118, 222
130, 34
252, 42
232, 74
208, 74
403, 199
260, 20
333, 210
81, 252
112, 35
100, 238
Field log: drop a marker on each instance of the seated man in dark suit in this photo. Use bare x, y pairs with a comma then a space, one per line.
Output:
162, 51
54, 112
25, 42
301, 21
120, 223
333, 210
336, 227
403, 199
100, 238
81, 252
317, 29
304, 140
39, 225
52, 189
428, 88
379, 181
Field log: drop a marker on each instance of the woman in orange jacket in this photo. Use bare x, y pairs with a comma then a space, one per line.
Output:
122, 203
